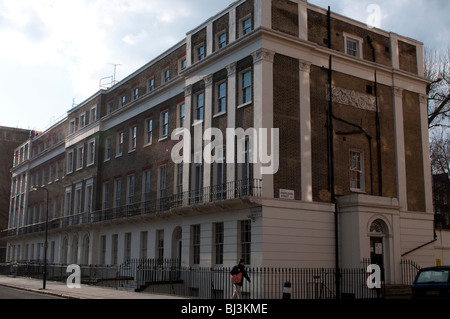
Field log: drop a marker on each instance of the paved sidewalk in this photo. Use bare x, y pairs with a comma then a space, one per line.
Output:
85, 292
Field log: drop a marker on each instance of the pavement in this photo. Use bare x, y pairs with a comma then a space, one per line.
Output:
85, 292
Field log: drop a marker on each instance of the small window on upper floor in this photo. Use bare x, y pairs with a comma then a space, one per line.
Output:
151, 84
166, 75
82, 120
221, 40
200, 52
353, 45
246, 87
72, 127
356, 168
182, 64
246, 25
93, 114
164, 120
123, 100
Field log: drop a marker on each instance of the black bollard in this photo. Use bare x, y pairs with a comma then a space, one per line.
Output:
287, 290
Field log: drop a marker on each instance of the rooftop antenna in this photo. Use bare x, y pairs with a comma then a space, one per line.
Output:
114, 76
104, 84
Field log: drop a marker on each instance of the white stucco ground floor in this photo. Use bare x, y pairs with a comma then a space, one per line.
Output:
265, 232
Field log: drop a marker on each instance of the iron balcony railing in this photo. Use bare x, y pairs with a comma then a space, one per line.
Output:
153, 205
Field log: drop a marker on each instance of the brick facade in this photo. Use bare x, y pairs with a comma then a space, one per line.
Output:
286, 87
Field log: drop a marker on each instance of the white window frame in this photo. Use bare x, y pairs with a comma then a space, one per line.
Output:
89, 194
69, 162
133, 138
357, 170
220, 98
82, 120
117, 192
151, 84
68, 201
91, 153
200, 55
242, 29
80, 157
135, 93
123, 100
93, 114
182, 63
166, 75
146, 185
148, 131
219, 44
77, 203
243, 89
110, 107
131, 186
181, 119
164, 130
105, 195
108, 148
119, 143
359, 45
72, 126
198, 107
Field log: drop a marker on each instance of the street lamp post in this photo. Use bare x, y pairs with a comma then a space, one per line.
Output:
35, 188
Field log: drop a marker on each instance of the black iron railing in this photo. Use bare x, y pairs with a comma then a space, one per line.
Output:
153, 205
409, 271
168, 276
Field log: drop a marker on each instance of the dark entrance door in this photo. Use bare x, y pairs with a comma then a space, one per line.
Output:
377, 253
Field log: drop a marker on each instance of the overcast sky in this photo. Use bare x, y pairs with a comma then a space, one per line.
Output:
54, 52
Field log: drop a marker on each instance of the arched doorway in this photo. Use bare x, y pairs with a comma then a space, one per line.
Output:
85, 251
64, 250
378, 233
177, 244
74, 254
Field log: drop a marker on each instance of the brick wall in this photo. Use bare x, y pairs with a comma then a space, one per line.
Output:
408, 57
285, 16
413, 152
352, 127
317, 33
287, 118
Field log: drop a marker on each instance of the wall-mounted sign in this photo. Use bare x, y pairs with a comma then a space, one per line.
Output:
287, 194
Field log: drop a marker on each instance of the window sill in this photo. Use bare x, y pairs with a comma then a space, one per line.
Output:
163, 138
219, 114
197, 122
244, 104
148, 144
132, 150
358, 191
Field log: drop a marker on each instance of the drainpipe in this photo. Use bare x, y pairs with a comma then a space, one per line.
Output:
377, 120
331, 162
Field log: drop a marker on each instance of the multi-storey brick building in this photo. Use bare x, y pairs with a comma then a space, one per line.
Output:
353, 180
10, 139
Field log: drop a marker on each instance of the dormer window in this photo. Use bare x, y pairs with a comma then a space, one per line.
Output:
246, 25
200, 52
222, 40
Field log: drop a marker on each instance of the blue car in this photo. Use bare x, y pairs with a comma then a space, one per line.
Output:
432, 283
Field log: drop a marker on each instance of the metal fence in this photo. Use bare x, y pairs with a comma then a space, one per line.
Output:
409, 271
168, 277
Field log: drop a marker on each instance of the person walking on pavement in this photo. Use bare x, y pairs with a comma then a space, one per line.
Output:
238, 273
